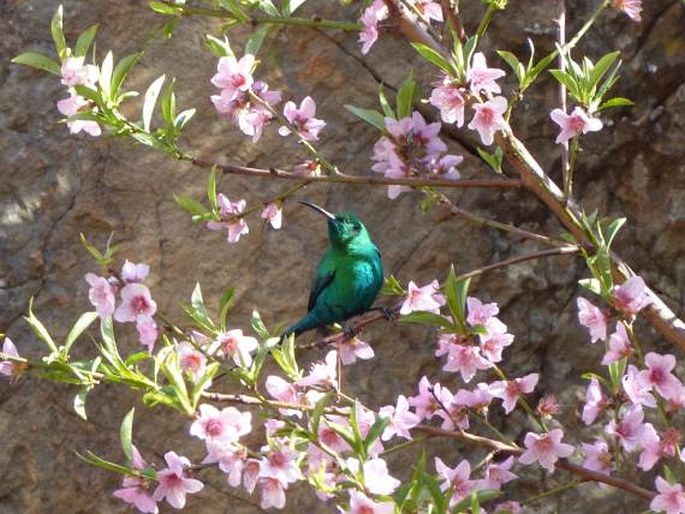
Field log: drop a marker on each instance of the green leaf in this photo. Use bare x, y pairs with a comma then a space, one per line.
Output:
80, 401
225, 305
150, 101
211, 190
85, 320
268, 7
406, 95
375, 431
315, 415
617, 101
435, 58
290, 6
167, 9
84, 41
219, 47
616, 370
494, 159
106, 76
533, 72
122, 69
259, 326
613, 229
57, 30
427, 318
94, 460
40, 330
254, 43
392, 286
126, 434
191, 205
168, 104
469, 48
385, 105
568, 81
370, 116
183, 118
456, 292
512, 61
601, 68
38, 61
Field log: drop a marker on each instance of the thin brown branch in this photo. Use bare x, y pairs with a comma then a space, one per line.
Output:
451, 9
594, 476
243, 399
343, 178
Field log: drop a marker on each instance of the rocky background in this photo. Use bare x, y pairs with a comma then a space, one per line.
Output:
55, 185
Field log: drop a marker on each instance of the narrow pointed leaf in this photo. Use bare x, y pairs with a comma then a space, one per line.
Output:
85, 320
150, 101
38, 61
370, 116
126, 434
84, 41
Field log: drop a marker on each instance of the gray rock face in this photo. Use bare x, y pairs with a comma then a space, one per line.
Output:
55, 185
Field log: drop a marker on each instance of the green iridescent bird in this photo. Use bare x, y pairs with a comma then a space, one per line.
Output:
348, 277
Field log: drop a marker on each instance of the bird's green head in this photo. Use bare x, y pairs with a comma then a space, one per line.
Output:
345, 228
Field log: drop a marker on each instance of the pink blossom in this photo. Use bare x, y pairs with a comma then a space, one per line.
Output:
545, 448
273, 213
135, 489
456, 480
280, 464
9, 368
76, 73
148, 331
251, 469
174, 482
632, 8
73, 105
231, 218
510, 390
230, 457
376, 477
477, 399
425, 403
593, 319
426, 298
619, 346
548, 405
233, 75
136, 303
488, 118
429, 9
651, 448
101, 295
330, 437
401, 419
497, 474
466, 360
452, 411
497, 338
659, 376
478, 312
351, 349
446, 166
594, 402
273, 493
227, 424
631, 296
508, 507
284, 392
362, 504
629, 429
448, 96
482, 78
303, 119
236, 346
192, 361
370, 18
251, 117
598, 457
574, 124
671, 498
636, 388
323, 374
131, 272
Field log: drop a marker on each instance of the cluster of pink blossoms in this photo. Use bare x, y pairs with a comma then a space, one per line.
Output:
233, 219
641, 389
174, 483
76, 73
136, 303
574, 124
412, 149
236, 84
451, 96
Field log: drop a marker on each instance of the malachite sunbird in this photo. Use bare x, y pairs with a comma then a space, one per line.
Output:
348, 277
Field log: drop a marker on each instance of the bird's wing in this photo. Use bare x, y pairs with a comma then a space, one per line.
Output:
325, 272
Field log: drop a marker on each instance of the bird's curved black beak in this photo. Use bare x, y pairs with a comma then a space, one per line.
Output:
319, 209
